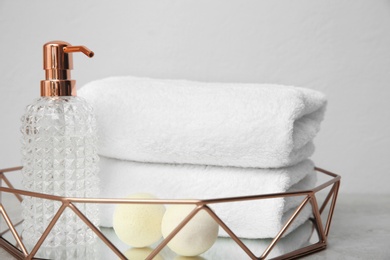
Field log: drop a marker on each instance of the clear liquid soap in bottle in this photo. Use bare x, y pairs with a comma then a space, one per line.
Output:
59, 154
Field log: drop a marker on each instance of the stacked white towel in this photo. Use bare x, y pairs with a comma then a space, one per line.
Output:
252, 219
183, 139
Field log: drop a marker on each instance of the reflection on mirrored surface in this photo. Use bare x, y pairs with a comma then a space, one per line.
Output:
89, 252
179, 257
224, 248
141, 253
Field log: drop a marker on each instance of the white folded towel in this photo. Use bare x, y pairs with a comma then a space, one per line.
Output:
226, 124
249, 219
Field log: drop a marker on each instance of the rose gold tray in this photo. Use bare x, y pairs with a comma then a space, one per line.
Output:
321, 217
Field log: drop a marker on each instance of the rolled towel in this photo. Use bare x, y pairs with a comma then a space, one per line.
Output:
249, 219
225, 124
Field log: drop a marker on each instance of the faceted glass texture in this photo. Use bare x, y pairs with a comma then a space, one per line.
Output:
59, 157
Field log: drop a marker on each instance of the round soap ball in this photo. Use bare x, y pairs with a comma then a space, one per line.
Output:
196, 237
138, 225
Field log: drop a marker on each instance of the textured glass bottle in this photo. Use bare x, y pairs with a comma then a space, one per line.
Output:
59, 157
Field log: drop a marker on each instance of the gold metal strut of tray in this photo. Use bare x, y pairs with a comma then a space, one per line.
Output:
322, 227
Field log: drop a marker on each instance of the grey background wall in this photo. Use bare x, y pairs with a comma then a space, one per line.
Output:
340, 47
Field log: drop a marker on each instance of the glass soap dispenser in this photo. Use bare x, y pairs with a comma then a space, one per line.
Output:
59, 154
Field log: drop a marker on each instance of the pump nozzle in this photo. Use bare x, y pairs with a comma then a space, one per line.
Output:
82, 49
57, 62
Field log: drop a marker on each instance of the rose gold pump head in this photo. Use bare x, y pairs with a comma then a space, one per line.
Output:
57, 62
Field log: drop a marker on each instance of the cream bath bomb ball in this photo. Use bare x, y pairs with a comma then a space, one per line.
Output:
196, 237
138, 225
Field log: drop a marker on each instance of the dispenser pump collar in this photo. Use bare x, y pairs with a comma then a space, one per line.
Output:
57, 63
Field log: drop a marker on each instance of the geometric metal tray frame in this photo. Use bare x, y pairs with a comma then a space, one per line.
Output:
322, 229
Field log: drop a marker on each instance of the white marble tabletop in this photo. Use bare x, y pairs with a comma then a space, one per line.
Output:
360, 229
